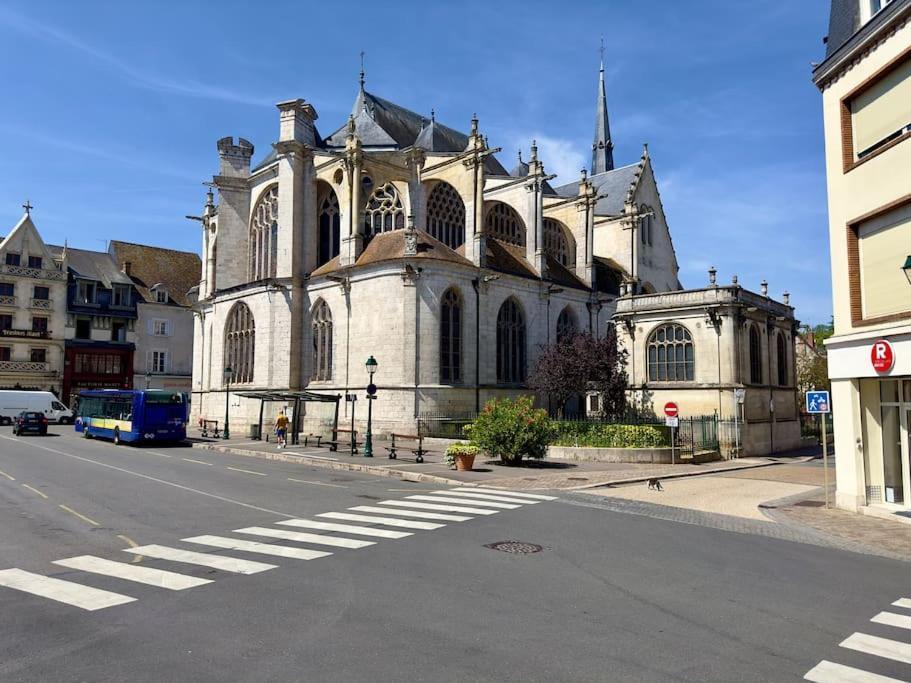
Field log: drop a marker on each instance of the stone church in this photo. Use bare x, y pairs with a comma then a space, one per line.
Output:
398, 237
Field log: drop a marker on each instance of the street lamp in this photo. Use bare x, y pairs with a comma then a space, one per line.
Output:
907, 268
148, 379
371, 365
228, 373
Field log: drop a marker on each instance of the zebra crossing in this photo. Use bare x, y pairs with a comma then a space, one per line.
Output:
428, 511
887, 648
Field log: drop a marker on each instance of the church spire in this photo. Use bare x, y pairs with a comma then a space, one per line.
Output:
602, 146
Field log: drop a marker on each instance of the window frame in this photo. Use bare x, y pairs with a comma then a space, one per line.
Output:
321, 327
755, 359
240, 344
680, 364
512, 344
452, 328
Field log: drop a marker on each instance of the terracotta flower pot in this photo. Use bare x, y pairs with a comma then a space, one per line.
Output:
464, 462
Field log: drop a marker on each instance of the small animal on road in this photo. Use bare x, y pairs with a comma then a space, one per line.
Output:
654, 484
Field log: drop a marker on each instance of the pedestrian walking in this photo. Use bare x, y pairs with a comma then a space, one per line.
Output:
281, 429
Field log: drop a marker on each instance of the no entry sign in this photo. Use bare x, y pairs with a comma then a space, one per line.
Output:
671, 410
881, 356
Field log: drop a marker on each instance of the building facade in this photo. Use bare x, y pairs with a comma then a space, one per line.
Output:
865, 82
33, 285
397, 237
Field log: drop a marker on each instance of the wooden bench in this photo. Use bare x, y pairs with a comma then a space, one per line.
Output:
419, 452
208, 425
318, 438
335, 442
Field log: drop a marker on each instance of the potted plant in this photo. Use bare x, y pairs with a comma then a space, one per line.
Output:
461, 456
511, 430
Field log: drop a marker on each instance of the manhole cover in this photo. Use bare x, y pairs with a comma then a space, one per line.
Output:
515, 547
810, 504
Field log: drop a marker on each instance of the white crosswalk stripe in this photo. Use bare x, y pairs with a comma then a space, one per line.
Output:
410, 513
488, 496
346, 528
460, 501
385, 521
881, 647
903, 602
516, 494
303, 537
830, 672
892, 619
226, 564
131, 572
441, 508
67, 592
255, 547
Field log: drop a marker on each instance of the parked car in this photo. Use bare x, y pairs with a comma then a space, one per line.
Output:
30, 421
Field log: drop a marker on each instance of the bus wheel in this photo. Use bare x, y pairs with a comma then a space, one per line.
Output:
85, 432
116, 436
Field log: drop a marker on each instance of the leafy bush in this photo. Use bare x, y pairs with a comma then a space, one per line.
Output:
459, 448
511, 430
601, 435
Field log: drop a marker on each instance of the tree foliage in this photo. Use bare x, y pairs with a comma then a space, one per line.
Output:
579, 364
511, 430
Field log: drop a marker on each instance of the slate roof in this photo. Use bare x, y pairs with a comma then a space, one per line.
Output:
614, 183
95, 265
177, 271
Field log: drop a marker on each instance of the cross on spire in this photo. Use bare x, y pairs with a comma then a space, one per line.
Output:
28, 207
361, 80
601, 50
602, 145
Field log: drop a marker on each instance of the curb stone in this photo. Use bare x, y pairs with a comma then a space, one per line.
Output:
680, 475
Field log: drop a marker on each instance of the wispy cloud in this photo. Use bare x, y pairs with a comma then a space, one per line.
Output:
132, 74
559, 155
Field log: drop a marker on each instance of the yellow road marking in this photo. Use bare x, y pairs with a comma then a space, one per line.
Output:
7, 476
237, 469
198, 462
133, 544
319, 483
80, 516
34, 490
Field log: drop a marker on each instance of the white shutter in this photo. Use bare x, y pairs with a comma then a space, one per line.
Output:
883, 109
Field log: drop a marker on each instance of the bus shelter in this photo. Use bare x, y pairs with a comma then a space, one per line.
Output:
294, 398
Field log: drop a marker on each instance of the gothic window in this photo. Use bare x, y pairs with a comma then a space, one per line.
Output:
782, 360
451, 338
502, 222
240, 344
322, 342
755, 356
671, 354
566, 324
557, 243
329, 227
384, 211
446, 215
264, 236
510, 343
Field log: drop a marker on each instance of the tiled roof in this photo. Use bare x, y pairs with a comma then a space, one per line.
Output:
177, 271
95, 265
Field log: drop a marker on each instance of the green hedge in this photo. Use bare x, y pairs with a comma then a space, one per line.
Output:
598, 435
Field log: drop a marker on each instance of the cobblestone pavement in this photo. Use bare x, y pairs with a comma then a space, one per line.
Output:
790, 474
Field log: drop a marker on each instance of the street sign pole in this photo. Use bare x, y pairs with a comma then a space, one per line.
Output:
673, 441
825, 457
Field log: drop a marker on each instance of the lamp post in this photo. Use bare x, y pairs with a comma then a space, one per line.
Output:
148, 380
228, 372
907, 268
371, 366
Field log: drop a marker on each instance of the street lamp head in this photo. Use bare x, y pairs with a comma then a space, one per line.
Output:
907, 268
371, 365
228, 372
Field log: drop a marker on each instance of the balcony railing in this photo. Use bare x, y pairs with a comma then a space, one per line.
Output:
43, 304
7, 301
37, 273
23, 366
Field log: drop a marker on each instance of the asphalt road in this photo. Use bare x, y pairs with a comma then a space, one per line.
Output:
611, 596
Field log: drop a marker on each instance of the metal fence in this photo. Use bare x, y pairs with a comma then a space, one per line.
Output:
444, 425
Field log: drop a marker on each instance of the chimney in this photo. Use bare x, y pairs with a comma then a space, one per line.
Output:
296, 122
127, 267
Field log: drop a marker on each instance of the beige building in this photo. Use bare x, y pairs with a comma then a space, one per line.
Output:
865, 81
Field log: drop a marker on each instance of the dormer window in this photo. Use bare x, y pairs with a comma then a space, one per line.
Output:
35, 262
161, 296
13, 259
85, 292
869, 8
121, 295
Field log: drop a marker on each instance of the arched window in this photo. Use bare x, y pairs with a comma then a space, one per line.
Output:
671, 354
755, 356
322, 342
782, 361
446, 215
510, 343
646, 223
264, 236
240, 343
502, 222
450, 337
329, 219
566, 324
384, 211
558, 243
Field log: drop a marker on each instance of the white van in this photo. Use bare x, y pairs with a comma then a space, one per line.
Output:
14, 402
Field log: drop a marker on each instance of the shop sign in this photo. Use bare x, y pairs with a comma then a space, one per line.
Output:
882, 356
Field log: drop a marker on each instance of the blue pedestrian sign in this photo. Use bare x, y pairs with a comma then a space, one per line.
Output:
818, 402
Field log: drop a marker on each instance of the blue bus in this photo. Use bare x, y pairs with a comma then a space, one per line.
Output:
126, 415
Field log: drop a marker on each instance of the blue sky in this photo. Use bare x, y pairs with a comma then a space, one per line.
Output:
112, 109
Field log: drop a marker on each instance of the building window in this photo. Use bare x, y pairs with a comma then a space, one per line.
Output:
35, 262
755, 356
38, 356
503, 223
384, 211
6, 322
879, 112
83, 328
6, 353
41, 293
446, 215
263, 236
322, 342
159, 362
85, 292
558, 243
161, 296
39, 324
671, 355
7, 289
240, 343
566, 324
782, 358
510, 343
451, 338
121, 295
329, 227
869, 8
160, 328
13, 259
118, 330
